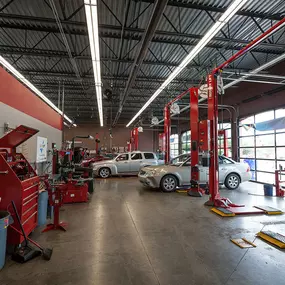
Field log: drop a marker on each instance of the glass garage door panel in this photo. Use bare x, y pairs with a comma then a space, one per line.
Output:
246, 142
265, 165
267, 140
280, 139
280, 153
267, 153
265, 177
247, 153
279, 114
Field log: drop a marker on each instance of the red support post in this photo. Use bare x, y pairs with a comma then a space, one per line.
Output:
136, 138
278, 180
213, 117
194, 126
194, 190
167, 133
96, 143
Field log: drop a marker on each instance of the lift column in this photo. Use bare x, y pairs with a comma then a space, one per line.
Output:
167, 133
213, 117
194, 127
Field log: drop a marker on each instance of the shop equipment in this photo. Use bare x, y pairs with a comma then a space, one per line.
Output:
57, 191
243, 243
19, 182
213, 90
76, 186
273, 238
26, 252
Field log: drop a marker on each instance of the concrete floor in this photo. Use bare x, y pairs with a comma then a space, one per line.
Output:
130, 235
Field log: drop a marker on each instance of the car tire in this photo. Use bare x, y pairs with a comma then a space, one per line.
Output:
105, 172
168, 183
232, 181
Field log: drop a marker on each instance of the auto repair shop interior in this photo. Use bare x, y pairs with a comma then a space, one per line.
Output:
142, 142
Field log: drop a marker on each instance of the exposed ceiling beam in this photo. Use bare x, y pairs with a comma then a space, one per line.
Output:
10, 50
80, 28
71, 76
197, 6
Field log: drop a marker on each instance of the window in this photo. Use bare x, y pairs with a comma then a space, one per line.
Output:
262, 150
280, 151
122, 157
267, 140
136, 156
174, 146
280, 139
148, 155
185, 141
225, 150
223, 160
247, 153
246, 142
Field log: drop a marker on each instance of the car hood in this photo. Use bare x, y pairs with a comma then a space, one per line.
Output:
102, 162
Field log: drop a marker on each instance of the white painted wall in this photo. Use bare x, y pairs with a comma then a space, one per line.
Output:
15, 118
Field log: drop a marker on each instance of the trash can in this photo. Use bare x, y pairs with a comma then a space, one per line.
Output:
42, 208
268, 190
4, 223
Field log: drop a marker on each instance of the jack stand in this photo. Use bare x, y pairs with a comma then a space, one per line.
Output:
56, 200
195, 190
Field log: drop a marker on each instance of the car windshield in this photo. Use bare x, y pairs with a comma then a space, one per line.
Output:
177, 161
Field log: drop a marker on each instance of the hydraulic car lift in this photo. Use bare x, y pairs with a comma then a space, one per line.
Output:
133, 144
215, 199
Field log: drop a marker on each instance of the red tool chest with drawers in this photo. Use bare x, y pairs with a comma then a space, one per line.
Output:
19, 182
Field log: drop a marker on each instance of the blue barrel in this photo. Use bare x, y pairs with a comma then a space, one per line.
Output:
268, 190
42, 208
4, 223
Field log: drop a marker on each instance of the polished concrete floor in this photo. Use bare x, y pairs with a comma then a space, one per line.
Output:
130, 235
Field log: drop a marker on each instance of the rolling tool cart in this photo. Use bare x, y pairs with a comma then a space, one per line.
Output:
19, 182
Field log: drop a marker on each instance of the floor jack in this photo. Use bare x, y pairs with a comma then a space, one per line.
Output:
56, 195
26, 252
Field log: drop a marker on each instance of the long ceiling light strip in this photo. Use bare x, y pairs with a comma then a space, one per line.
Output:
258, 69
20, 77
93, 33
227, 15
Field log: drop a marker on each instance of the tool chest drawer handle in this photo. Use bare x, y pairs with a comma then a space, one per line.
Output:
4, 172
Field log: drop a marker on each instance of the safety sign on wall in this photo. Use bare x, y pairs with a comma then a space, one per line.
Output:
41, 149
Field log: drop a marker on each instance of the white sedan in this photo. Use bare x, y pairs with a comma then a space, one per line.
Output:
178, 173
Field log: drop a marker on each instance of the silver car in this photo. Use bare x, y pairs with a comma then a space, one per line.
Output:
178, 172
125, 164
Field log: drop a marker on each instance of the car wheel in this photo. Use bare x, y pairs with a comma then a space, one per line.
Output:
168, 183
104, 172
232, 181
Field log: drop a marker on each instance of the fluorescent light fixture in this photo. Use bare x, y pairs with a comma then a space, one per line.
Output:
258, 69
227, 15
91, 7
74, 125
21, 78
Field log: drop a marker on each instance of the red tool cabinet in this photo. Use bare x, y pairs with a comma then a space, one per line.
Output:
19, 182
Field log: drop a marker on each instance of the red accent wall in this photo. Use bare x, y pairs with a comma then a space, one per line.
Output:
16, 95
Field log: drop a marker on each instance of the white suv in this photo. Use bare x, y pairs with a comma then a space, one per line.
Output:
125, 164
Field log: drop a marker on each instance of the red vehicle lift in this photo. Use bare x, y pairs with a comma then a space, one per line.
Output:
278, 181
215, 199
133, 144
196, 143
167, 124
19, 182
